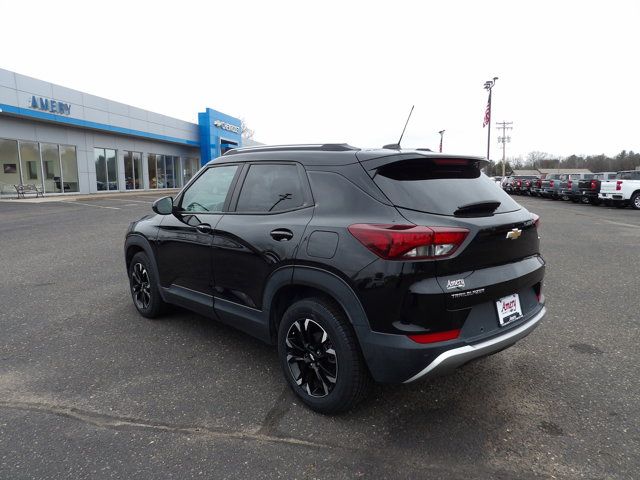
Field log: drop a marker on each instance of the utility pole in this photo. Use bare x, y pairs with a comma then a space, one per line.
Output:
488, 85
441, 132
503, 140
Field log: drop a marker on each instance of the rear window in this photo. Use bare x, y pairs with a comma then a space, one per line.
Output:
443, 188
634, 175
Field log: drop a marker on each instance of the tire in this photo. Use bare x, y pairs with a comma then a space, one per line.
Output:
316, 344
635, 201
144, 287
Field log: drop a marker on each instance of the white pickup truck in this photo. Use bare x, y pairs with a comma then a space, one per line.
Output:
623, 190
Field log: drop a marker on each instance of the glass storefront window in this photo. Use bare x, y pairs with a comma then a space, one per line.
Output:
51, 168
169, 171
48, 166
101, 168
132, 170
112, 169
106, 169
190, 167
30, 163
69, 162
161, 172
137, 164
169, 164
9, 166
153, 175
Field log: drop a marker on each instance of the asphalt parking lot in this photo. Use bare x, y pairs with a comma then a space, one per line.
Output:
89, 389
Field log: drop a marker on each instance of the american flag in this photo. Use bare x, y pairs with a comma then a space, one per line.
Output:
487, 113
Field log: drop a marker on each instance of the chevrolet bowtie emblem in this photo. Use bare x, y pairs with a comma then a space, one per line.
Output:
514, 234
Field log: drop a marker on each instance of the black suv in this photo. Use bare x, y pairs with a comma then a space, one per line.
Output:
391, 265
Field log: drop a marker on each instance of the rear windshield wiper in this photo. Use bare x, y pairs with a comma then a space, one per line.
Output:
477, 209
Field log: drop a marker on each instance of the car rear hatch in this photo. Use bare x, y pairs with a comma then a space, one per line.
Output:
451, 191
499, 256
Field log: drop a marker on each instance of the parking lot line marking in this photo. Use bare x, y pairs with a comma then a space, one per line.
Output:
89, 205
129, 200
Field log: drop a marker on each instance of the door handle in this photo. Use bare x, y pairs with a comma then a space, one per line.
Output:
281, 234
204, 228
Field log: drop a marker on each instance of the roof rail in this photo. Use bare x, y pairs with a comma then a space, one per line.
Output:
325, 147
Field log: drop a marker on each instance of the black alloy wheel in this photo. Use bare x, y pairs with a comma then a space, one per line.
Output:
321, 357
144, 290
140, 286
311, 357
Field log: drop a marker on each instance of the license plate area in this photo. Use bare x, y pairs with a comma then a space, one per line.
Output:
509, 309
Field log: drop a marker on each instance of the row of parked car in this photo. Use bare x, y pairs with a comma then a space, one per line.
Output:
619, 189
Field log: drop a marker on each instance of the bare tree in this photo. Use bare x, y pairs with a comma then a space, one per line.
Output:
246, 131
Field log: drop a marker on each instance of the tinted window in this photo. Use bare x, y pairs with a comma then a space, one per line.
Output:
628, 175
440, 189
271, 188
209, 191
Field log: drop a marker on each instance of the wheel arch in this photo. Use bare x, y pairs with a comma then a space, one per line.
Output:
135, 244
291, 284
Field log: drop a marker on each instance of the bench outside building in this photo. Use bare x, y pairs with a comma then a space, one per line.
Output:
29, 188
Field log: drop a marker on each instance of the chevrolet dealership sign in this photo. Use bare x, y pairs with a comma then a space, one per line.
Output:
226, 126
49, 105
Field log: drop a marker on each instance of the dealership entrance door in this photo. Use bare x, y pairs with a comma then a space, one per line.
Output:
226, 145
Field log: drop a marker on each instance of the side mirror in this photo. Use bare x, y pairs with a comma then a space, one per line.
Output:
163, 206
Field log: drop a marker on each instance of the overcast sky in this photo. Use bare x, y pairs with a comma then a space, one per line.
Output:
347, 71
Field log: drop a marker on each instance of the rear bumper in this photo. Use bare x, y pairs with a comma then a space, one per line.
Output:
397, 359
611, 196
456, 357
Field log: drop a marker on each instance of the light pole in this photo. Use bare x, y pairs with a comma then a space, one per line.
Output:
441, 132
488, 85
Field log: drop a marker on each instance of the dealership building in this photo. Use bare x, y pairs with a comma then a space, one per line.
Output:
64, 141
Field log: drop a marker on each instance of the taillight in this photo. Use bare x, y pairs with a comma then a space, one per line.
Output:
594, 185
619, 185
519, 183
551, 183
537, 288
409, 242
569, 183
435, 337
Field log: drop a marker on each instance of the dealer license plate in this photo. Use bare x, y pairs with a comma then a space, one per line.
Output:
509, 309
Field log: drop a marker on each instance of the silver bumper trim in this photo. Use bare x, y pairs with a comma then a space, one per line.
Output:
453, 358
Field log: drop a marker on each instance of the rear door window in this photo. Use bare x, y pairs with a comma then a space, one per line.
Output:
442, 187
270, 188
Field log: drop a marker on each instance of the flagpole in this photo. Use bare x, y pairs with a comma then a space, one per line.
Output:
489, 128
441, 132
488, 85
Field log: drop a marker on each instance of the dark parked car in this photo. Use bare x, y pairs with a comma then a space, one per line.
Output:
569, 187
550, 186
391, 265
536, 186
589, 188
522, 184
